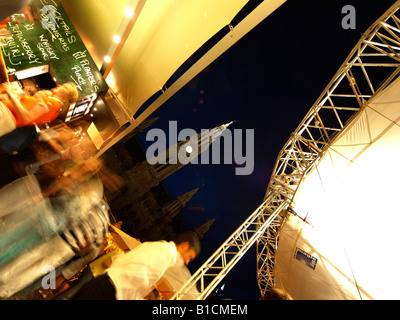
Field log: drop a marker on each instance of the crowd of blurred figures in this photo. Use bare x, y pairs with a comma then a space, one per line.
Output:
53, 215
57, 240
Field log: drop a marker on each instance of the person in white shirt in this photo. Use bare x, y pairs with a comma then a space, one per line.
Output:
134, 275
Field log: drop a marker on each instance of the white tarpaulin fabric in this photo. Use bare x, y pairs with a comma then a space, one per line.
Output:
347, 248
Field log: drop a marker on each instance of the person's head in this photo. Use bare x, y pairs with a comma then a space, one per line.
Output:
188, 245
67, 93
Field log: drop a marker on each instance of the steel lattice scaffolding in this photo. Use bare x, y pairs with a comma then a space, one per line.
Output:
230, 252
370, 67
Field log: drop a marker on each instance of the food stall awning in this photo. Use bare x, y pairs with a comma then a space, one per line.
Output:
141, 44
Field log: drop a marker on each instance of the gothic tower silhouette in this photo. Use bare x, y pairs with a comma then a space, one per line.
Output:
167, 212
150, 175
144, 204
200, 231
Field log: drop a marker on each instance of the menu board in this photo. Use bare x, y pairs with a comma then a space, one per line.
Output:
51, 39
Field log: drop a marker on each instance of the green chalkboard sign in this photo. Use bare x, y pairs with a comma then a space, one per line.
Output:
51, 39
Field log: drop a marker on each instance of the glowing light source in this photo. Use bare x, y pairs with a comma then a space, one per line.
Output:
116, 39
128, 12
189, 149
348, 193
110, 80
107, 59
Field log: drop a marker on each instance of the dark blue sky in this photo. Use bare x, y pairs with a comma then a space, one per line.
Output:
266, 82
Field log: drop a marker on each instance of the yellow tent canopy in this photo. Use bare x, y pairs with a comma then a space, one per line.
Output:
140, 44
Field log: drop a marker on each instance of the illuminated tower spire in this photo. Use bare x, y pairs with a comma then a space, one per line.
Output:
187, 151
177, 156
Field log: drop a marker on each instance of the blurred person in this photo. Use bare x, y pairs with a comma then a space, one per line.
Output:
40, 211
37, 210
97, 267
66, 225
94, 269
60, 146
22, 137
25, 149
134, 275
18, 109
38, 232
86, 237
172, 280
62, 159
31, 189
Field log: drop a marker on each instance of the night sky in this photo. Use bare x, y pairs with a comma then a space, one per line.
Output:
267, 82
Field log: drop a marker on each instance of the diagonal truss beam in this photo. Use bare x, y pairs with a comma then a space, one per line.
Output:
208, 276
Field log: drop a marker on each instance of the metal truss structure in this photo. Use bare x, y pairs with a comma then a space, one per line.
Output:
370, 67
207, 277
